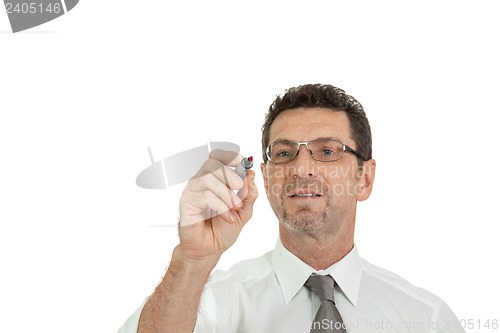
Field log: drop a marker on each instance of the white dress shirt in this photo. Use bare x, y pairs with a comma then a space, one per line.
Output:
267, 294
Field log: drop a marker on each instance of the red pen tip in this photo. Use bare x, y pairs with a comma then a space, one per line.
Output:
250, 159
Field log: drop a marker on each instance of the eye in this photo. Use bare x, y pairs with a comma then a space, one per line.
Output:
283, 153
328, 152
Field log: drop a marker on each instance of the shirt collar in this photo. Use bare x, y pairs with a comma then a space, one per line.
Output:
292, 273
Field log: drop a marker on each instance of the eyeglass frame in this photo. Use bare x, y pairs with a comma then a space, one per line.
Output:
345, 148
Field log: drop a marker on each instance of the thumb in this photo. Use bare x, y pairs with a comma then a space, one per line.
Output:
251, 194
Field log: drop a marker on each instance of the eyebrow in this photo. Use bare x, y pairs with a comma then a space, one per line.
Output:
321, 138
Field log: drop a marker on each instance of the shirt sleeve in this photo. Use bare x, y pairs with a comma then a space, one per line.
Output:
446, 321
131, 325
204, 321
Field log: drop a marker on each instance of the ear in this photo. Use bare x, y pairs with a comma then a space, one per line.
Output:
365, 184
263, 169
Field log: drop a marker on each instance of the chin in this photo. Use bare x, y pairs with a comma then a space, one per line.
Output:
303, 221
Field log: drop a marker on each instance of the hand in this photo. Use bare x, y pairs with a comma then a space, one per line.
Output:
211, 214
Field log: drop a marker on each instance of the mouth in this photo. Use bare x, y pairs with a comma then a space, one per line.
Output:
305, 195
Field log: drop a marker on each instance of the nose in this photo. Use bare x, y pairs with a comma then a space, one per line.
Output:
304, 165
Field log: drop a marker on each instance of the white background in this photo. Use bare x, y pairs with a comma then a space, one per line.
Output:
83, 96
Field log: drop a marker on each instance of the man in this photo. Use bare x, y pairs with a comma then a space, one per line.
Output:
316, 144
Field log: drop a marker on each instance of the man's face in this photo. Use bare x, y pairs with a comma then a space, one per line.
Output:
309, 195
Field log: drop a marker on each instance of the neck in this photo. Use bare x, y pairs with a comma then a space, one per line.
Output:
319, 249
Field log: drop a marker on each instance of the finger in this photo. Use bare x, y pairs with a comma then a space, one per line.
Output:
224, 173
210, 206
246, 210
216, 207
228, 176
225, 193
243, 192
211, 183
226, 157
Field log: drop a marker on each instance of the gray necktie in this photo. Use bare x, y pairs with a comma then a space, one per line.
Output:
327, 319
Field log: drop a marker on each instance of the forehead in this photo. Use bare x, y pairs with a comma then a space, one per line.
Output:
305, 124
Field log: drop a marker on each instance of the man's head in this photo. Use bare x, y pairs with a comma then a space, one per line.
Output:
317, 187
322, 96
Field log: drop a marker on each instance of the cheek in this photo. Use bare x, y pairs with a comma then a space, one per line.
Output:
341, 182
275, 182
343, 188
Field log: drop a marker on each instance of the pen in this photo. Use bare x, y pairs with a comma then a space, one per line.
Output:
242, 167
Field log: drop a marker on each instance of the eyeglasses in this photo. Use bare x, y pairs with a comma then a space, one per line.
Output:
323, 150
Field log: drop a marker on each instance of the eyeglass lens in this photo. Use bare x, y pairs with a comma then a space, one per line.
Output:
322, 150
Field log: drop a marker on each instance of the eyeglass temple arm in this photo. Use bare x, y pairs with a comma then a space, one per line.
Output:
352, 151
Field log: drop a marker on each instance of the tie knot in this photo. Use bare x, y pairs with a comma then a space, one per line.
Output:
321, 285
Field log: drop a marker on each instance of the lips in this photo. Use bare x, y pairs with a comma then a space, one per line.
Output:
304, 194
305, 190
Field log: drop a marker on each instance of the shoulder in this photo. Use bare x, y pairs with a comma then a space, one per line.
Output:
396, 286
381, 273
407, 300
245, 271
